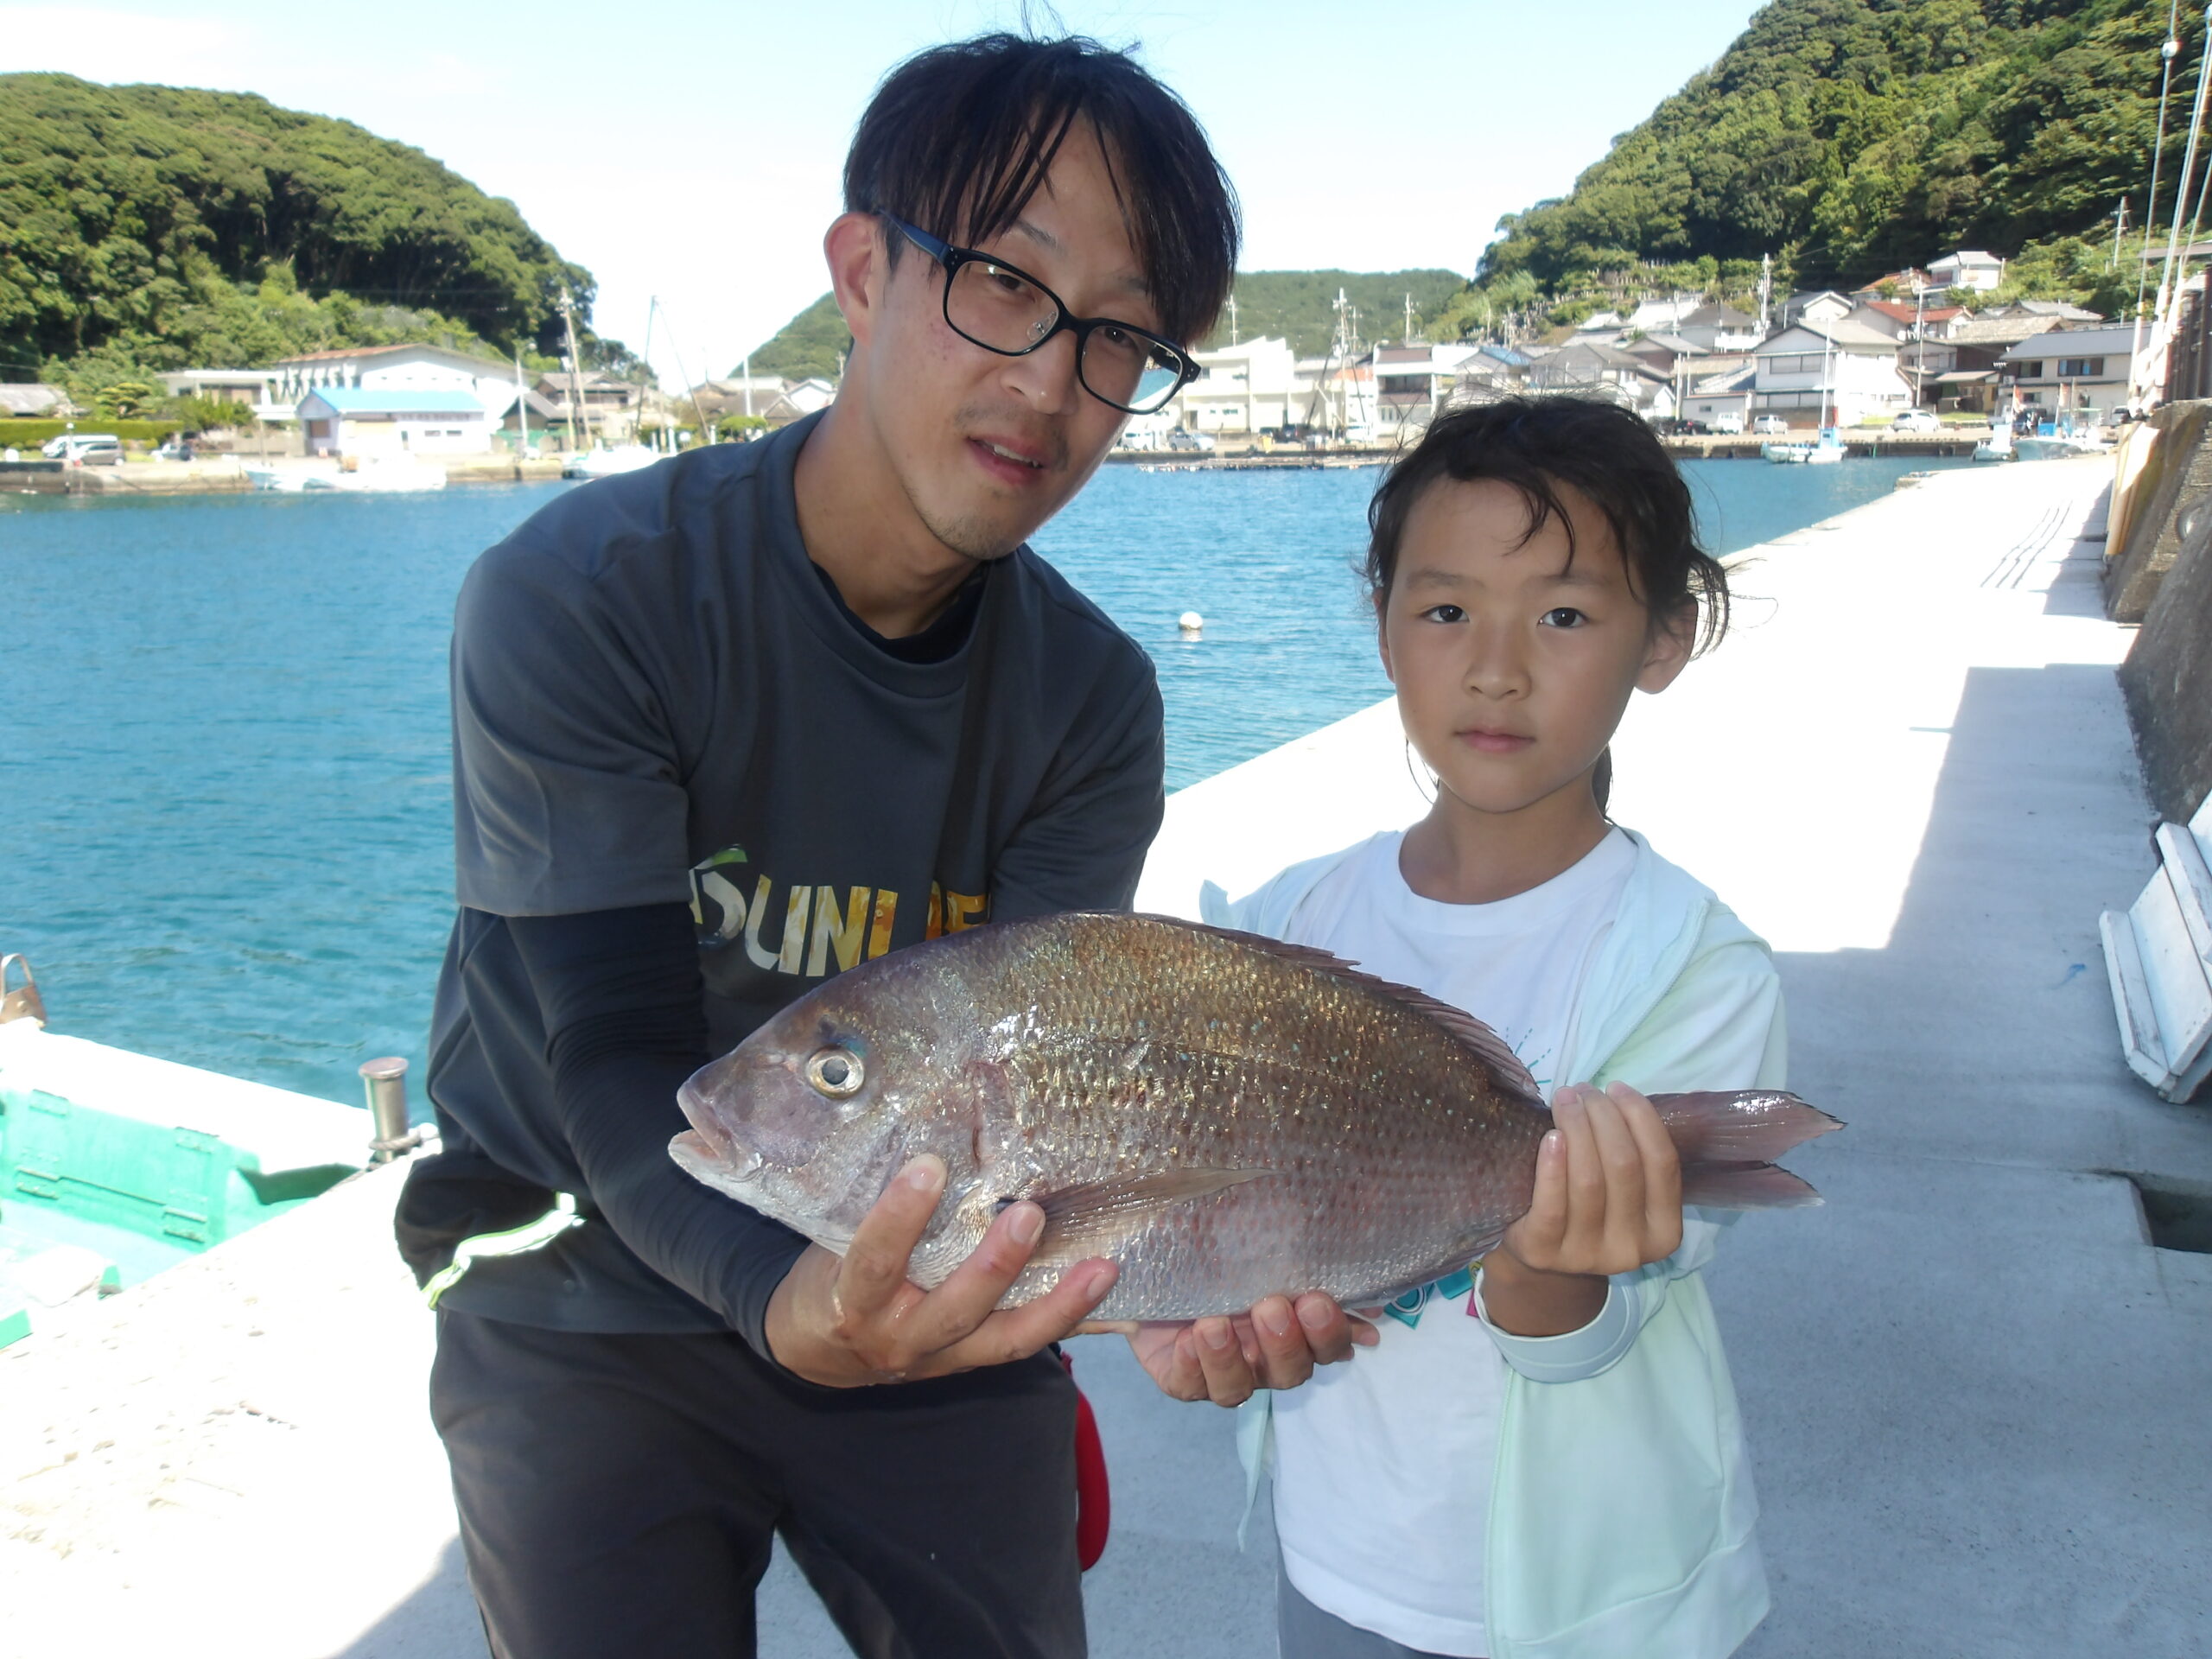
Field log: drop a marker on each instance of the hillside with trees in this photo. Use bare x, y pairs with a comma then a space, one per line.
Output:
1849, 139
1296, 305
151, 228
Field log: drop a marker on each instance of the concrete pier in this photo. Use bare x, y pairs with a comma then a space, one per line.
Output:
1974, 1390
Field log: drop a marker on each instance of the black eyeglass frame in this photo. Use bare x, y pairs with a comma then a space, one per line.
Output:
1065, 322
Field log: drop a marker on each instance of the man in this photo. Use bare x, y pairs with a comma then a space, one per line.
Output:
739, 722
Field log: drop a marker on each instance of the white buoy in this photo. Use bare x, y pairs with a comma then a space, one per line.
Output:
1191, 624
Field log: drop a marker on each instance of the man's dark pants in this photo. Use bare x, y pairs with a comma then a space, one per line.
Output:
618, 1496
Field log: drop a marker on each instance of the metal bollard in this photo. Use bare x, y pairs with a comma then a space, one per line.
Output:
386, 1080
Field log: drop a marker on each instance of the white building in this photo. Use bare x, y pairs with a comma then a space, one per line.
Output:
2072, 369
1412, 381
1968, 268
1249, 387
352, 420
398, 368
1844, 368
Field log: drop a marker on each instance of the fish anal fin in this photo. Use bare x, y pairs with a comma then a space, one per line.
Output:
1079, 1217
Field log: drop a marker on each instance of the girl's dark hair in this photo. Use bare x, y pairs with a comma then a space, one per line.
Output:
958, 138
1601, 451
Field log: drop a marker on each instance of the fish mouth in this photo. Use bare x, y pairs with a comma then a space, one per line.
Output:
708, 1142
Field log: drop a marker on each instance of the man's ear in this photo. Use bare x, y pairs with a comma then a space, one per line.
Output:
1667, 652
854, 247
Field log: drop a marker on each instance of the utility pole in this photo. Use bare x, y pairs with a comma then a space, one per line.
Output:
2118, 230
747, 371
1232, 319
1766, 289
1409, 319
569, 396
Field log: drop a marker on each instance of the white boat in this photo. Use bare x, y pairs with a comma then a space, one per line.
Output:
382, 475
1998, 446
1825, 452
606, 463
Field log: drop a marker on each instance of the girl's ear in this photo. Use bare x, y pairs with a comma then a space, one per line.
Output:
1667, 652
1382, 636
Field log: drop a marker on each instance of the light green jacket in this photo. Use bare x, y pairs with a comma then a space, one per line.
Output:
1621, 1514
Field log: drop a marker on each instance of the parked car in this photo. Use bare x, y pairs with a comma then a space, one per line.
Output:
1766, 425
1916, 420
1182, 438
1677, 426
177, 448
1730, 426
91, 449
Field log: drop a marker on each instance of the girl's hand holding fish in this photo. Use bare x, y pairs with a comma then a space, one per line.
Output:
1608, 1200
1276, 1345
852, 1320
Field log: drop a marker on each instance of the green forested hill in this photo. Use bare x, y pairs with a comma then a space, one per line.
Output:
1300, 305
1851, 137
154, 226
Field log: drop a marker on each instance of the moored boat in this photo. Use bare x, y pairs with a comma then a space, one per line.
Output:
607, 463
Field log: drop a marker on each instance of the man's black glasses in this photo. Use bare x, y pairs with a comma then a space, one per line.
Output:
995, 306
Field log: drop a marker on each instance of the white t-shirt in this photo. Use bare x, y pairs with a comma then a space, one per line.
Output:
1382, 1465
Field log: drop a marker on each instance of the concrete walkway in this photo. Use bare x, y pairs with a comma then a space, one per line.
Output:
1974, 1392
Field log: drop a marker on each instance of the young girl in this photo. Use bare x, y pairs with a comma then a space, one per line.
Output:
1542, 1458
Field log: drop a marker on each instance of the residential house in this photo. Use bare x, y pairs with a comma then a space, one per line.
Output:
1960, 371
2072, 369
1653, 316
1841, 368
764, 397
256, 391
1896, 284
1815, 305
1719, 328
358, 420
1591, 368
1662, 350
395, 368
1600, 323
1731, 391
2062, 311
1412, 381
1492, 372
1968, 268
1899, 318
609, 409
32, 401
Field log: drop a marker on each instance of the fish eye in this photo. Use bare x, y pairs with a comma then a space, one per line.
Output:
836, 1072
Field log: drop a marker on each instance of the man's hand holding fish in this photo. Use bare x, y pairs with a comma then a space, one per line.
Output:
846, 1321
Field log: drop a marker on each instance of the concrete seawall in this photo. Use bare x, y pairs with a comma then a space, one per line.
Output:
1973, 1389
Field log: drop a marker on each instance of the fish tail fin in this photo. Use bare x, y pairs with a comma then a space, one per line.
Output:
1727, 1140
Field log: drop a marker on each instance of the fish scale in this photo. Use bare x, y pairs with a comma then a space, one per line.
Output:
1224, 1116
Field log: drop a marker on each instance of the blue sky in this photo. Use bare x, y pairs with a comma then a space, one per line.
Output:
691, 150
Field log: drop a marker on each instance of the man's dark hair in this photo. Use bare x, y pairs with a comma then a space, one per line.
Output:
958, 138
1601, 451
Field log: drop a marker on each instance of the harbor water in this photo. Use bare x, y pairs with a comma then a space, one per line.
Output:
225, 796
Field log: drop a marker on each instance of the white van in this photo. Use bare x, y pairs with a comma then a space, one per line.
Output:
89, 449
1728, 425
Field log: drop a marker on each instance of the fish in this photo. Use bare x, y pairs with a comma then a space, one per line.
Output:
1224, 1115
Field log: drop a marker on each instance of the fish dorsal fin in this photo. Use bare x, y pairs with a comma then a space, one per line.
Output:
1078, 1219
1504, 1066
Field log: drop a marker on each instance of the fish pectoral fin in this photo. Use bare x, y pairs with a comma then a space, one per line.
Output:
1078, 1218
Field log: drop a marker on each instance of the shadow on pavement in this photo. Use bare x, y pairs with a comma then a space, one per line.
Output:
1971, 1386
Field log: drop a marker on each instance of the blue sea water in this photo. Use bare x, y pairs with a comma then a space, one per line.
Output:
224, 802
